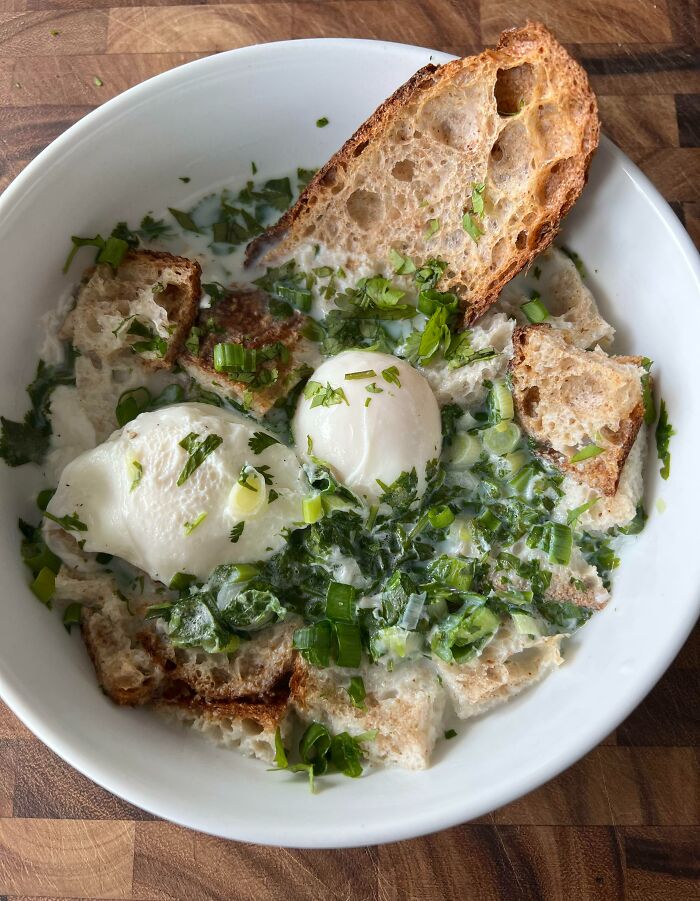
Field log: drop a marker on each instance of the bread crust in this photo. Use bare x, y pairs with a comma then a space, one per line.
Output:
559, 183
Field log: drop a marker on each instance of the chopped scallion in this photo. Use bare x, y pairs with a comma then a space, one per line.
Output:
534, 309
586, 453
44, 585
560, 543
348, 644
340, 602
357, 692
312, 508
72, 615
362, 374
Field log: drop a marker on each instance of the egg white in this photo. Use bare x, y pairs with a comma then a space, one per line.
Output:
147, 523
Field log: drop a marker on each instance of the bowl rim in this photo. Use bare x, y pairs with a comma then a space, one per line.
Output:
425, 821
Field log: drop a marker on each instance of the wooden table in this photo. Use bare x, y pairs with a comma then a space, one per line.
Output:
623, 822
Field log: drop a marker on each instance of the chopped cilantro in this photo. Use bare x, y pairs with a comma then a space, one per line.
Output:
184, 220
304, 176
432, 228
236, 532
197, 452
401, 265
260, 441
471, 227
28, 441
324, 397
152, 229
70, 522
322, 122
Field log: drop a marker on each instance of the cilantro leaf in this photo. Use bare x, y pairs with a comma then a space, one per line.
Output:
28, 441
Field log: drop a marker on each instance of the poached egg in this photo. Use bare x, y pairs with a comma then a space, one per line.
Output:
182, 489
369, 416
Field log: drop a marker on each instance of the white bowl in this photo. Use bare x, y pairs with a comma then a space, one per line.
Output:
208, 120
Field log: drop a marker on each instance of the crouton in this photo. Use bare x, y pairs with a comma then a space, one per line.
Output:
146, 307
508, 664
577, 404
405, 706
243, 318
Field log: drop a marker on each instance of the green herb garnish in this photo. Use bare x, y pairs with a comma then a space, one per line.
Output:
28, 441
324, 397
236, 532
260, 441
586, 453
72, 616
664, 432
191, 526
198, 451
391, 375
70, 522
184, 220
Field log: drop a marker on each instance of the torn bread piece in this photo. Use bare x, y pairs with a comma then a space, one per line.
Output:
464, 385
578, 582
278, 349
126, 672
570, 305
238, 699
583, 408
143, 310
510, 663
405, 706
474, 162
246, 727
99, 388
259, 668
608, 512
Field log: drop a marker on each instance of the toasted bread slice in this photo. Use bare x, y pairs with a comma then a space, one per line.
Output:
506, 666
577, 583
569, 302
243, 317
568, 399
520, 119
144, 308
405, 706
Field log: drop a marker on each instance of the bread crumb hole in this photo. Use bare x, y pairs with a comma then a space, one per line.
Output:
360, 148
365, 208
250, 727
513, 89
330, 177
404, 170
531, 400
521, 240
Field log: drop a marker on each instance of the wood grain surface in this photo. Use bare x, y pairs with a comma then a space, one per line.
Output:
623, 823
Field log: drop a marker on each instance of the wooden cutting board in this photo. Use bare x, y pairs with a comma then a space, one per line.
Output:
623, 822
